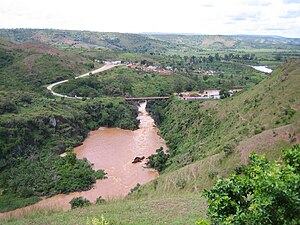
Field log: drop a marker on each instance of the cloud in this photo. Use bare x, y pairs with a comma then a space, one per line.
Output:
291, 1
291, 14
183, 16
208, 5
246, 16
257, 3
275, 28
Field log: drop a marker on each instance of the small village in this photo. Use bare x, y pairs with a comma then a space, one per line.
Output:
157, 69
152, 69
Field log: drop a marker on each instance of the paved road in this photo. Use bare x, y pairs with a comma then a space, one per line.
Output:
107, 66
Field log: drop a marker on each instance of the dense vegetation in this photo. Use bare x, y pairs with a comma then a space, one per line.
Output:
32, 139
265, 193
158, 160
34, 130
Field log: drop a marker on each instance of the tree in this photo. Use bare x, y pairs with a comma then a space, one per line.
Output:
8, 107
265, 193
210, 58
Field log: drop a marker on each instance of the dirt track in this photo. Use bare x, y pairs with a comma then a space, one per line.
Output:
107, 66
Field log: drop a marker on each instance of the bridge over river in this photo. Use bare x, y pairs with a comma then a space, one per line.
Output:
147, 98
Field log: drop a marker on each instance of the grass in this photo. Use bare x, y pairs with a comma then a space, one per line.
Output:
11, 202
159, 209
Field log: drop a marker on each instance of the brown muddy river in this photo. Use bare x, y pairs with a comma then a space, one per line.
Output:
113, 150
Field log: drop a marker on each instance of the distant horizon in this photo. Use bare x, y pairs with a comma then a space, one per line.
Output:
213, 17
158, 33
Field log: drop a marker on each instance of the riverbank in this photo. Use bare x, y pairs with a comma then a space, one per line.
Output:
111, 149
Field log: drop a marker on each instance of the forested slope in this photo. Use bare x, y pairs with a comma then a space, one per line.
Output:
35, 127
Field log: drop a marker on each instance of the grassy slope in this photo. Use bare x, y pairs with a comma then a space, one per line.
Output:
227, 42
207, 127
260, 124
91, 40
166, 209
261, 106
35, 64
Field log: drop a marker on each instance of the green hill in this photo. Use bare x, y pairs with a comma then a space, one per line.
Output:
28, 66
211, 139
195, 130
89, 40
230, 41
206, 140
153, 44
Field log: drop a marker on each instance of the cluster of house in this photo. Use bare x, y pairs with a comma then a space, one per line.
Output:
108, 61
205, 94
151, 69
208, 72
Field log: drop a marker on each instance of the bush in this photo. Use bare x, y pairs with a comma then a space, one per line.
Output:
100, 174
158, 160
228, 149
100, 200
265, 193
79, 202
74, 174
8, 107
181, 183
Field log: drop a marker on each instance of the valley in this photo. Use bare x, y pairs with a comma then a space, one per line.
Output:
99, 124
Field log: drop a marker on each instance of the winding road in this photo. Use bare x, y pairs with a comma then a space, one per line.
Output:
107, 66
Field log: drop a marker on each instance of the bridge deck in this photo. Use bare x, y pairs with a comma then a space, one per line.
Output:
147, 98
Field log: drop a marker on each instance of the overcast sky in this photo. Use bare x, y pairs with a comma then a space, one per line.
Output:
262, 17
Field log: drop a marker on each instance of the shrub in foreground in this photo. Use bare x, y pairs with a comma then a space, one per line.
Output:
265, 193
79, 202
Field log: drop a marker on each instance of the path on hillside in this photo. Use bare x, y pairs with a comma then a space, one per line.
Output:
107, 66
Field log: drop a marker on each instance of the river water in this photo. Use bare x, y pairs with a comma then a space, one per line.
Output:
113, 150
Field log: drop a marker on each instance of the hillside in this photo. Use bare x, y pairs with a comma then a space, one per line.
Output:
231, 41
211, 139
35, 127
28, 66
206, 140
233, 120
154, 44
124, 42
